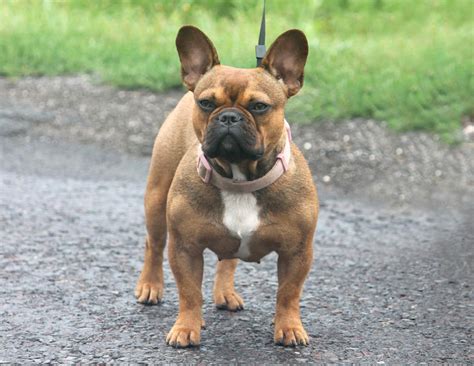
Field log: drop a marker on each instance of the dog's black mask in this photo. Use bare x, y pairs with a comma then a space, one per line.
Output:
231, 137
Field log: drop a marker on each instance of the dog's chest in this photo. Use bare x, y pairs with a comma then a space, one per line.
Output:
241, 217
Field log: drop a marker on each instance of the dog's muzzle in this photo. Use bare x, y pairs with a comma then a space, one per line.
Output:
230, 136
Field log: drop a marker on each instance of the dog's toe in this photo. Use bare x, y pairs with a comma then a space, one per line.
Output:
182, 337
228, 301
291, 336
148, 293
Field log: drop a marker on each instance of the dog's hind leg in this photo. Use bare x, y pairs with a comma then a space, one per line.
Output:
149, 289
225, 296
174, 138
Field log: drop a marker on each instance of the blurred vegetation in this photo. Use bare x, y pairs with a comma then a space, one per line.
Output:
409, 63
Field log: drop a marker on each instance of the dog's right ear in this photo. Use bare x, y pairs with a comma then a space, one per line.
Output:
196, 53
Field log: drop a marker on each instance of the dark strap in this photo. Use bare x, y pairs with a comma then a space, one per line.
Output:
260, 48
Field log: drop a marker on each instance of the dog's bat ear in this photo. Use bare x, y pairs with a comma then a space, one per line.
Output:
286, 58
196, 53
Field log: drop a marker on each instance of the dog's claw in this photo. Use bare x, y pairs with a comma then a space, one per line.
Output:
225, 307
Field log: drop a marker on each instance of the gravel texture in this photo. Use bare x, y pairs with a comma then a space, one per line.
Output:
391, 282
360, 157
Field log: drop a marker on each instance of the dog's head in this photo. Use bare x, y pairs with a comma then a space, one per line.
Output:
239, 113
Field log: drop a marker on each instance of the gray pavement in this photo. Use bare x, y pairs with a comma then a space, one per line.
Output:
390, 282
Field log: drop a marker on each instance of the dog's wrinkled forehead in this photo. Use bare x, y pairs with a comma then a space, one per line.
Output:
233, 85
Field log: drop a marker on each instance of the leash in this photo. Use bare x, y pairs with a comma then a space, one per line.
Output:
260, 47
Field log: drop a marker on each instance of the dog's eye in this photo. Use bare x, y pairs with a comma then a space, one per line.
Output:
259, 107
207, 105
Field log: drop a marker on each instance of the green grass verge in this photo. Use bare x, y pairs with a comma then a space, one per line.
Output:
409, 63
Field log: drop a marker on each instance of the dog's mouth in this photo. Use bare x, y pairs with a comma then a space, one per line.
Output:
229, 147
231, 144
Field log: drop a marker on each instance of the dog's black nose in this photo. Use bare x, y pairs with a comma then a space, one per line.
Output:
230, 118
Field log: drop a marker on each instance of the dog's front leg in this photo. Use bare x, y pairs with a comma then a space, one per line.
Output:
292, 271
187, 267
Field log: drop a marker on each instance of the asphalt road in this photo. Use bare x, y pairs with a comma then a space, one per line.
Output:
387, 285
393, 269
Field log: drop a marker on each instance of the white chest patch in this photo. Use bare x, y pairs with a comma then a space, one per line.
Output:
240, 215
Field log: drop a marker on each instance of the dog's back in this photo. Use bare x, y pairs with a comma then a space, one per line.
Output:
175, 137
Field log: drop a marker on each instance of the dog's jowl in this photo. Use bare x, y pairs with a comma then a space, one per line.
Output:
225, 176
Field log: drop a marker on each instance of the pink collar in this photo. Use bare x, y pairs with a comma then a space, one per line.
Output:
209, 175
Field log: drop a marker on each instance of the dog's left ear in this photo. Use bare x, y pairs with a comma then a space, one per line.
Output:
196, 53
286, 58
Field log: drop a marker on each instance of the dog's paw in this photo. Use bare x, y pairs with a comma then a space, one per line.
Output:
149, 292
182, 336
228, 300
291, 336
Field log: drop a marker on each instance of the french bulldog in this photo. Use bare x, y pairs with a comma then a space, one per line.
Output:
224, 175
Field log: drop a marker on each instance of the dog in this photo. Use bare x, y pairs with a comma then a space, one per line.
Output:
225, 175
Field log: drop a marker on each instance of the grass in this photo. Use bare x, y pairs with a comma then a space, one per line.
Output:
409, 63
